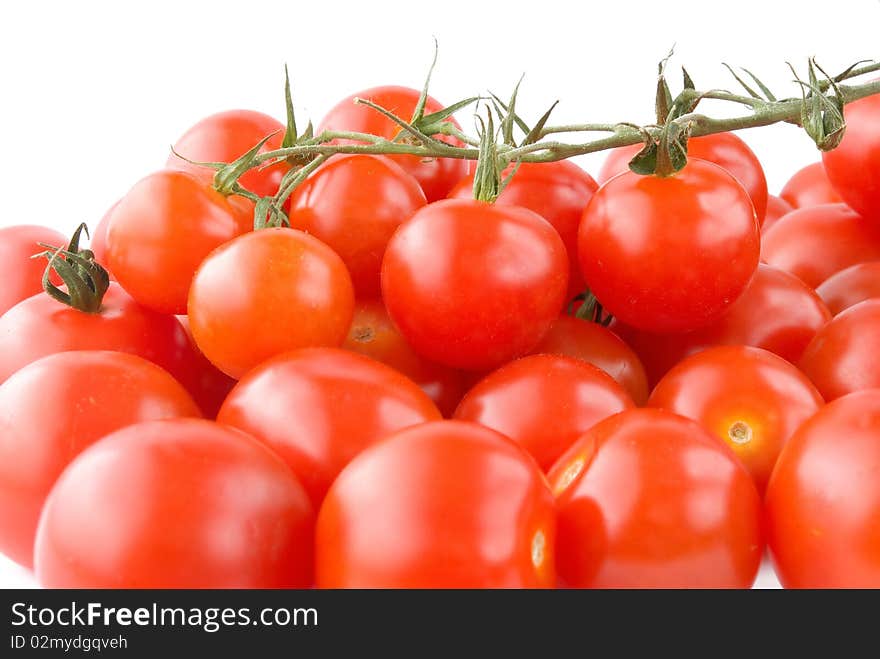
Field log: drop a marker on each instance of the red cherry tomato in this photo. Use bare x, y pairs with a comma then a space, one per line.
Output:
21, 275
40, 326
724, 149
208, 385
854, 166
441, 505
98, 239
809, 186
844, 356
776, 208
373, 334
435, 175
318, 408
649, 499
777, 312
599, 346
638, 231
54, 408
184, 503
267, 292
816, 242
750, 398
544, 403
162, 230
472, 285
848, 287
823, 500
354, 204
557, 191
225, 136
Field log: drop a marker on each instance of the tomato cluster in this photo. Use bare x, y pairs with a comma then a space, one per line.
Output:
638, 383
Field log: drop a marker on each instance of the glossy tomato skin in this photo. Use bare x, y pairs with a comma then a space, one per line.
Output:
267, 292
823, 500
224, 137
599, 346
183, 503
776, 208
472, 285
98, 239
557, 191
816, 242
750, 398
724, 149
162, 230
544, 403
638, 231
809, 186
844, 356
854, 166
777, 312
850, 286
354, 204
89, 394
649, 499
208, 385
437, 176
40, 326
461, 507
373, 335
340, 402
21, 275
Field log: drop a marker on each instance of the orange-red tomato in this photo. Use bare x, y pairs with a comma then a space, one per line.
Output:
208, 385
267, 292
54, 408
844, 356
823, 500
776, 208
850, 286
20, 275
442, 505
354, 204
318, 408
183, 503
599, 346
809, 186
650, 499
374, 335
544, 403
750, 398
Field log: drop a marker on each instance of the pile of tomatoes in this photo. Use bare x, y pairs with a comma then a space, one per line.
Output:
641, 382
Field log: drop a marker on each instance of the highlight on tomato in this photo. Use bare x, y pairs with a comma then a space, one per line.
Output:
850, 286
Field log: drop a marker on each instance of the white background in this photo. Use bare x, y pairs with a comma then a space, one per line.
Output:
95, 92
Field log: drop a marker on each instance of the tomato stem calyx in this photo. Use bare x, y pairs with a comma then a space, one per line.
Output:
86, 280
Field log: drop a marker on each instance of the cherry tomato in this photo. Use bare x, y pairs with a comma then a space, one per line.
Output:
544, 403
182, 503
848, 287
557, 191
374, 335
777, 312
650, 499
776, 208
55, 407
442, 505
599, 346
472, 285
161, 231
823, 500
267, 292
318, 408
98, 239
669, 253
208, 385
724, 149
854, 166
354, 204
809, 186
844, 356
750, 398
816, 242
21, 275
40, 326
224, 137
437, 176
